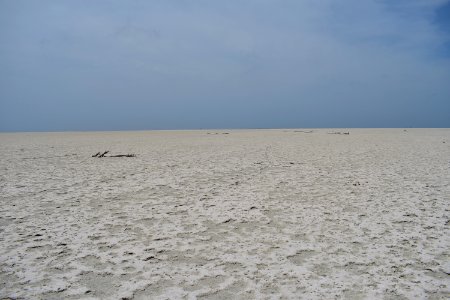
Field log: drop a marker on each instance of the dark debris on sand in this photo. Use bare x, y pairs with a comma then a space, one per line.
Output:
103, 154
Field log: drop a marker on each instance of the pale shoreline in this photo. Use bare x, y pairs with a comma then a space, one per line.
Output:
254, 214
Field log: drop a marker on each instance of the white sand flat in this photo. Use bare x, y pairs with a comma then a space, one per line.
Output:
253, 214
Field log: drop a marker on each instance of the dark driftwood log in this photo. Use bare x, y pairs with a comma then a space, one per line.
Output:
103, 154
100, 155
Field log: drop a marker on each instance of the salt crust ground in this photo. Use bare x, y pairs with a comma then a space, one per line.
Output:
268, 214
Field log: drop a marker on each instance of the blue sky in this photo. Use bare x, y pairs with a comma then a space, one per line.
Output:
180, 64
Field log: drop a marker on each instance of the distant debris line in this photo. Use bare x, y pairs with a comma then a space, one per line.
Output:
338, 132
304, 131
103, 154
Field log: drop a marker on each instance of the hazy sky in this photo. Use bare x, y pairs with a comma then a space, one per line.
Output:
123, 65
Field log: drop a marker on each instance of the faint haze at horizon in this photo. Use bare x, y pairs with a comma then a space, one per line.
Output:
184, 64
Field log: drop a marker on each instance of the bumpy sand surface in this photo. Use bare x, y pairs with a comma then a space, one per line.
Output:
269, 214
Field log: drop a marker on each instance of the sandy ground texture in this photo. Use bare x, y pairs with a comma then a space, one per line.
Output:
262, 214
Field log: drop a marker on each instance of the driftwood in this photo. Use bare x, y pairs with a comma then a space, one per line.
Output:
100, 155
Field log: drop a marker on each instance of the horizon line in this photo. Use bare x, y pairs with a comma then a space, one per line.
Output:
220, 129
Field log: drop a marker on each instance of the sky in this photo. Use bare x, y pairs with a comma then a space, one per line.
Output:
190, 64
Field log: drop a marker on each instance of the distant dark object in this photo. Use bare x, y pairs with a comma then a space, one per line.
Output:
338, 132
99, 155
217, 133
